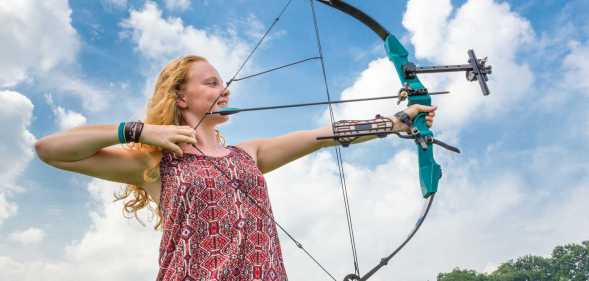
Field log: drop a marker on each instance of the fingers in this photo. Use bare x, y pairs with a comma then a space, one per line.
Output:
180, 134
175, 149
187, 131
431, 113
429, 120
183, 139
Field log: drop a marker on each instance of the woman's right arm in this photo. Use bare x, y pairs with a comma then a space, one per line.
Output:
89, 150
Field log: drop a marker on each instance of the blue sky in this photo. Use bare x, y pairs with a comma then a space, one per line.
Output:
519, 187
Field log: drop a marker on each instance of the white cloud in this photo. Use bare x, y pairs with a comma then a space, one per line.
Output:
576, 65
29, 236
68, 119
36, 36
154, 35
16, 144
476, 222
65, 119
469, 28
121, 248
253, 28
429, 29
180, 5
39, 44
94, 98
7, 208
375, 81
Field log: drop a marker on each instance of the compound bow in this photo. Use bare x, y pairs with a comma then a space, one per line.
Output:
412, 90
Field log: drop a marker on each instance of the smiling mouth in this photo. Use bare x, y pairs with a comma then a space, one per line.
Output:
222, 104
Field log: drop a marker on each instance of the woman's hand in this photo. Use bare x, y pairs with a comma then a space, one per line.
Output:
413, 110
168, 137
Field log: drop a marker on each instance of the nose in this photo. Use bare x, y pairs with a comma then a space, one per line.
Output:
226, 93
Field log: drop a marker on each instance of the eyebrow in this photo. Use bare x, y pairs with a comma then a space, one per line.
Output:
211, 78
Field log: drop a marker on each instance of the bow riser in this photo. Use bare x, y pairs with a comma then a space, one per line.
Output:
429, 170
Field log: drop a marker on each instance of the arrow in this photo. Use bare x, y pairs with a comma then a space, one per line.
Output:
233, 110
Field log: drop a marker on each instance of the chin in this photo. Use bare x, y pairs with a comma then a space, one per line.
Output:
218, 119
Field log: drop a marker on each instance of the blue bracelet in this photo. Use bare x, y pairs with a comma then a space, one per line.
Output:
122, 133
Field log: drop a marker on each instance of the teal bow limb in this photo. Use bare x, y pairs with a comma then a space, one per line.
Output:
429, 170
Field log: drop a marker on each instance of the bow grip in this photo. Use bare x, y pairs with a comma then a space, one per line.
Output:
429, 170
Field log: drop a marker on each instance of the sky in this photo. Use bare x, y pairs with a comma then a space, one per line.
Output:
519, 186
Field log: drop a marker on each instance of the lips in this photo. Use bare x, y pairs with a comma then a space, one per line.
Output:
222, 103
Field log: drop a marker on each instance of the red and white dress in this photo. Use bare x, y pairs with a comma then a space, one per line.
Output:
211, 231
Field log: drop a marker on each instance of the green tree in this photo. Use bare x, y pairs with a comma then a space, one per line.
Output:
462, 275
567, 263
527, 268
571, 262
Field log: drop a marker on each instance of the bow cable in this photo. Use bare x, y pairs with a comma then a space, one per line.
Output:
337, 148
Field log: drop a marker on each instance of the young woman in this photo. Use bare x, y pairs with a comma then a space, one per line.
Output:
212, 200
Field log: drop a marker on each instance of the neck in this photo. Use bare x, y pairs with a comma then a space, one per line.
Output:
206, 135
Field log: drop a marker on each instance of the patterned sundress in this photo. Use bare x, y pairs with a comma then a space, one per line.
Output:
212, 231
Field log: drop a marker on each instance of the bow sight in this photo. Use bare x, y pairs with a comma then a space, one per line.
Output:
476, 70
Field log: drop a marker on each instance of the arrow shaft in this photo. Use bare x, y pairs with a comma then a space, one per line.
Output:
314, 103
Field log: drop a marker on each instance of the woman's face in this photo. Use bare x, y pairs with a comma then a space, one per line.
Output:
202, 88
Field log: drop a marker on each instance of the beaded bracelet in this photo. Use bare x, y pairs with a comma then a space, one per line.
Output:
133, 131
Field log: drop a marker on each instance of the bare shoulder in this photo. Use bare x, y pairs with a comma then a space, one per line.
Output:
251, 147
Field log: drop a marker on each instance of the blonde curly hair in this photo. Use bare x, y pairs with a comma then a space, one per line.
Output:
161, 110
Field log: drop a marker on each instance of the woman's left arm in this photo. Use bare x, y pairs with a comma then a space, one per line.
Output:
274, 152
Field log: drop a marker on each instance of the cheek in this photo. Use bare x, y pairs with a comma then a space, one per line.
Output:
202, 100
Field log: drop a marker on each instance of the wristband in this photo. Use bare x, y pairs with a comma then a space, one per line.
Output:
404, 118
121, 133
133, 131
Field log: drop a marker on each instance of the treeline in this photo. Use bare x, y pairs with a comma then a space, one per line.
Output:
567, 263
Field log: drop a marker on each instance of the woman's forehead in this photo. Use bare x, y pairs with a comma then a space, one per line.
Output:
202, 70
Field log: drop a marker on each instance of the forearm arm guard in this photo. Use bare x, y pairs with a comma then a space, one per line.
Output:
346, 132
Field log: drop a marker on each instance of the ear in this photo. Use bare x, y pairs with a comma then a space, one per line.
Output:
181, 101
